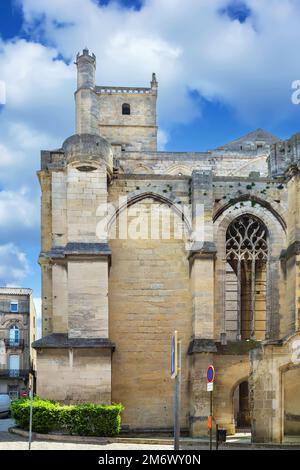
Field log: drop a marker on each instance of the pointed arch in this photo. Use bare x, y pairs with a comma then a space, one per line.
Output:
265, 203
174, 204
274, 275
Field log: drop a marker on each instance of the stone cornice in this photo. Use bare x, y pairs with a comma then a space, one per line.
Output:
77, 250
62, 341
203, 250
200, 345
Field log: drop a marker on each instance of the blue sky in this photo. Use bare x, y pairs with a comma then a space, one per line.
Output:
224, 68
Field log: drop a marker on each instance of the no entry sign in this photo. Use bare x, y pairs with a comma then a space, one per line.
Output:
210, 374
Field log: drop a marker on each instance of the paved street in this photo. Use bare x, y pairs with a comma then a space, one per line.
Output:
5, 424
10, 441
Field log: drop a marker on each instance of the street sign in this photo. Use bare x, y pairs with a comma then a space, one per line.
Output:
210, 374
174, 356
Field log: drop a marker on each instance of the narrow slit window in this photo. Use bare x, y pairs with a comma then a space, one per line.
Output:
125, 108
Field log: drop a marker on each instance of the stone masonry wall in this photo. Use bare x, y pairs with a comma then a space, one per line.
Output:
148, 299
61, 375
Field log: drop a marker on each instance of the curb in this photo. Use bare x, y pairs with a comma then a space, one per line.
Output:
144, 440
91, 440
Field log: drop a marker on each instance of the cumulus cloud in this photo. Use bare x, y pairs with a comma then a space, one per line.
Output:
18, 212
195, 45
38, 114
14, 266
239, 53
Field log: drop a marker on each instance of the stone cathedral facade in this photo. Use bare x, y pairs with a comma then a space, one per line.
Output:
110, 303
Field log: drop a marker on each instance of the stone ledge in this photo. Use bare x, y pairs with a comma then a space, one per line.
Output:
199, 345
78, 249
202, 250
62, 341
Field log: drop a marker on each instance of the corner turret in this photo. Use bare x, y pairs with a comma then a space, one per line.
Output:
85, 95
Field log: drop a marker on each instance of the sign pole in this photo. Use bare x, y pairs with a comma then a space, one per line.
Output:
177, 400
211, 413
210, 375
30, 412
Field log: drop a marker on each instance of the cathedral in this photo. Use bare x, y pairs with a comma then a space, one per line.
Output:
137, 243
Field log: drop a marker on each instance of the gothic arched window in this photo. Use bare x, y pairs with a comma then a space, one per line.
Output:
125, 108
246, 278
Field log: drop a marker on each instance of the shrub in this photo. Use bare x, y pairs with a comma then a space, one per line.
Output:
86, 419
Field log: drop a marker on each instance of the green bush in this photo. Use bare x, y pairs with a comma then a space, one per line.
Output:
85, 420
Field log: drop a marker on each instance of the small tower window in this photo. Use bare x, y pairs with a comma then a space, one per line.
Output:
125, 108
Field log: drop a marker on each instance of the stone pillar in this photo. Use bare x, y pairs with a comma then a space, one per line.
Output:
199, 397
74, 355
201, 258
265, 396
292, 255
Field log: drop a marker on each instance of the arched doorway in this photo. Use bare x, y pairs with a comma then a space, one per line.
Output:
241, 407
291, 403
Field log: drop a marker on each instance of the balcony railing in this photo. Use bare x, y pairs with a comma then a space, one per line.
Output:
11, 343
14, 373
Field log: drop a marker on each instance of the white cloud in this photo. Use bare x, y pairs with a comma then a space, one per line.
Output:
162, 139
191, 47
38, 114
17, 210
14, 266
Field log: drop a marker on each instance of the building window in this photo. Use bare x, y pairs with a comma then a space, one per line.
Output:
14, 306
246, 278
125, 108
14, 336
14, 365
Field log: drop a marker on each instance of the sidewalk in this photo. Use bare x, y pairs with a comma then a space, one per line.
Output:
237, 441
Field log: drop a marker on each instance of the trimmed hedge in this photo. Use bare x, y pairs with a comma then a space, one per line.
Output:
84, 420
